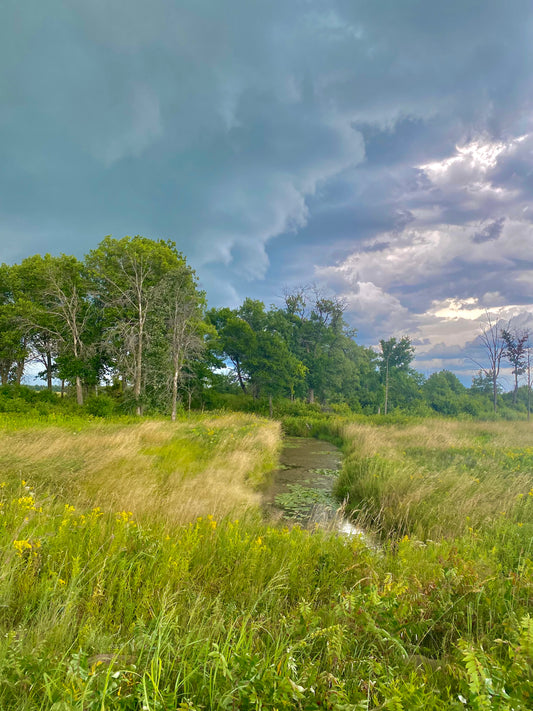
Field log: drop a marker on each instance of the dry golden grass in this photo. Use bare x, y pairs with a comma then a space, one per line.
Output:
155, 469
391, 440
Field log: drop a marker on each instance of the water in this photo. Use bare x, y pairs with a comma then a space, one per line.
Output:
301, 489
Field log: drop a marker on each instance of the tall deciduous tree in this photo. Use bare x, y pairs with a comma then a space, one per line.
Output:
29, 292
235, 341
396, 356
126, 274
69, 309
178, 331
317, 337
13, 336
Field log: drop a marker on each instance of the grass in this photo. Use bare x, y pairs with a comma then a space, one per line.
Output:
168, 608
155, 469
438, 479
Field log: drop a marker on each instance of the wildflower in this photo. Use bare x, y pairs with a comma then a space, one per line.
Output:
22, 546
125, 516
27, 502
25, 546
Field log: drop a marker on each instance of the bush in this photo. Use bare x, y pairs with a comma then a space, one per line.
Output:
101, 406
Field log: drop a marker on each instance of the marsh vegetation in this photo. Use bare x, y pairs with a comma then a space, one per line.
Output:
138, 572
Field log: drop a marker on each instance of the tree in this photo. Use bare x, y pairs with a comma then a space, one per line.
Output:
235, 340
29, 284
516, 351
69, 309
443, 392
13, 337
317, 336
396, 356
493, 344
126, 274
178, 329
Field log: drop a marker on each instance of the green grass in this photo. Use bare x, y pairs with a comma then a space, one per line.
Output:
103, 609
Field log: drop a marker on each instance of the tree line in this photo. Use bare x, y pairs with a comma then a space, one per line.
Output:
131, 315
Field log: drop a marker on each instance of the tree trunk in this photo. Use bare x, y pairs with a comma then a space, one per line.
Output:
495, 392
138, 370
528, 385
270, 408
79, 391
174, 394
62, 387
20, 371
49, 370
311, 396
385, 409
239, 377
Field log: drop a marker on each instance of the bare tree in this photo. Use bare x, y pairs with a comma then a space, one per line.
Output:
493, 343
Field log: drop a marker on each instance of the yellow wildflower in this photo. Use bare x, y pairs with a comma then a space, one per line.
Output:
22, 546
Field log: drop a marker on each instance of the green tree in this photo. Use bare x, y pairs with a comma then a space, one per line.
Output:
395, 358
317, 336
13, 336
444, 392
126, 274
178, 333
68, 313
515, 351
29, 294
251, 339
235, 341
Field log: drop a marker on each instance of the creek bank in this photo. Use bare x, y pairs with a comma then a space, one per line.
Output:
301, 489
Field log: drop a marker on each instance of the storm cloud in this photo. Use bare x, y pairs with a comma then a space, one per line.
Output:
384, 150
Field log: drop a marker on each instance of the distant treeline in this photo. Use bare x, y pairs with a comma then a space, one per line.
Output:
131, 316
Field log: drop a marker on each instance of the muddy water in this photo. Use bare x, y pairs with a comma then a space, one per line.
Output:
301, 490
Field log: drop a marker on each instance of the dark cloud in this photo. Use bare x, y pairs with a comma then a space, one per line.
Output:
275, 141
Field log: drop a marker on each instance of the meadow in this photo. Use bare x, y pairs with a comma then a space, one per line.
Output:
138, 572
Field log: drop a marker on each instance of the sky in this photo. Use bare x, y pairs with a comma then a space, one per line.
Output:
382, 150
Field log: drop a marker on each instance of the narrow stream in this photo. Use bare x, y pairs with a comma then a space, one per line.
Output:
301, 489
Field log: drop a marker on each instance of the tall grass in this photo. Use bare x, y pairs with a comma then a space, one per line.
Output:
156, 469
439, 479
106, 607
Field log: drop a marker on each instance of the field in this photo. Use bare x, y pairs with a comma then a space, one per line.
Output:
138, 573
